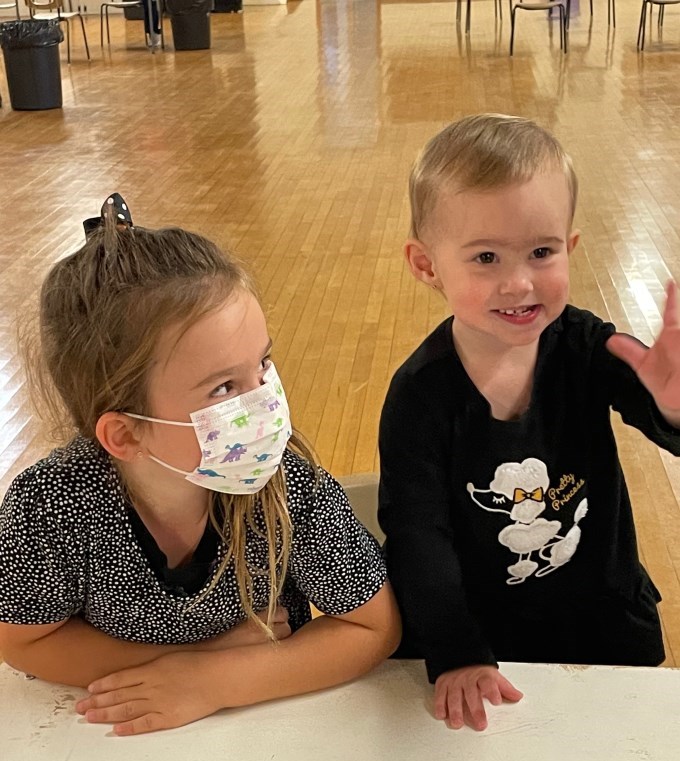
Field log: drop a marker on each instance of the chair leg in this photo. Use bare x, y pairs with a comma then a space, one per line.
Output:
68, 39
591, 7
458, 4
641, 27
611, 13
563, 24
560, 13
467, 17
512, 30
662, 10
101, 25
82, 26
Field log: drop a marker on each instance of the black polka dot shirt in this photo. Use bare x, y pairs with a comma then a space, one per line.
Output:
68, 548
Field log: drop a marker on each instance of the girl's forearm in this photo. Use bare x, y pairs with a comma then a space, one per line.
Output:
76, 654
325, 652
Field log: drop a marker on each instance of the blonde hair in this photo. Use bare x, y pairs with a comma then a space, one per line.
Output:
483, 152
102, 311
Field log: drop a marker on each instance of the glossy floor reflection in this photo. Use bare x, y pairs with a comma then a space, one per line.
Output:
290, 141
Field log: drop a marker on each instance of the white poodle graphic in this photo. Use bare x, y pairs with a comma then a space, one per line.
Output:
522, 487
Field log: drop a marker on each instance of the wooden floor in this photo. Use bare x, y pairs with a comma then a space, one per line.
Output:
290, 142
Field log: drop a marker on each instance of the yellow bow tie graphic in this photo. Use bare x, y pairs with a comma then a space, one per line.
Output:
520, 495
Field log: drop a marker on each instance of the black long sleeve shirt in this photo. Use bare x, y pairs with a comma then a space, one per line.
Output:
514, 540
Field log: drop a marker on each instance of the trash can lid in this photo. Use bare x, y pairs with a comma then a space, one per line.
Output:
30, 34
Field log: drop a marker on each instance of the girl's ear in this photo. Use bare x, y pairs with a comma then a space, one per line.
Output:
421, 263
117, 433
572, 240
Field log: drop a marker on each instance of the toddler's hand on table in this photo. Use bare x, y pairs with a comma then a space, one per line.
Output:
658, 367
169, 692
458, 695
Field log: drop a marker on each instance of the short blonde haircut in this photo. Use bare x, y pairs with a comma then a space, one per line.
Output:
483, 152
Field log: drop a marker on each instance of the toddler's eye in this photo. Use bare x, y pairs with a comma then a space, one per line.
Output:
541, 253
488, 257
266, 362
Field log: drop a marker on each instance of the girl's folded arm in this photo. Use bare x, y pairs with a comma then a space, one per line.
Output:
76, 653
183, 687
72, 651
329, 650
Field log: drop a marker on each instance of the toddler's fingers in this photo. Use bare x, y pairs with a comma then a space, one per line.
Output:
489, 689
628, 349
473, 698
454, 709
508, 690
440, 696
671, 312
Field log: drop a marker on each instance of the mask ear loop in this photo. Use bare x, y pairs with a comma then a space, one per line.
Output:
158, 420
170, 467
150, 456
167, 422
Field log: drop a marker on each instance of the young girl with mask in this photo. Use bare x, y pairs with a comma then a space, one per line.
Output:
165, 558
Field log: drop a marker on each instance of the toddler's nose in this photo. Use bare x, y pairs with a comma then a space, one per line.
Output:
516, 282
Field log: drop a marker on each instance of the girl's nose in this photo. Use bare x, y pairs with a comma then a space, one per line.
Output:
253, 381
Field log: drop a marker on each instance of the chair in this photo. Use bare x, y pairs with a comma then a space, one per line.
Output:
15, 5
611, 12
122, 4
497, 12
362, 492
643, 18
547, 5
104, 14
51, 10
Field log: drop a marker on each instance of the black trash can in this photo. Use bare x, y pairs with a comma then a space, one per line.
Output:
190, 20
228, 6
133, 13
31, 53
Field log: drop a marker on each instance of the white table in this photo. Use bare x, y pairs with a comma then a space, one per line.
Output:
568, 713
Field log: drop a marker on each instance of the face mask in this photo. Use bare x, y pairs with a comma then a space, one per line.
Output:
242, 439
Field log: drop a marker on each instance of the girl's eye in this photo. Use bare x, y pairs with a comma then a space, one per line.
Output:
541, 253
488, 257
224, 389
266, 362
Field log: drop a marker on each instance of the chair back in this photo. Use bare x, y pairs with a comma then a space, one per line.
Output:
362, 492
14, 5
44, 6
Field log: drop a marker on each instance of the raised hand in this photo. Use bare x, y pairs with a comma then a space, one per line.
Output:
658, 367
